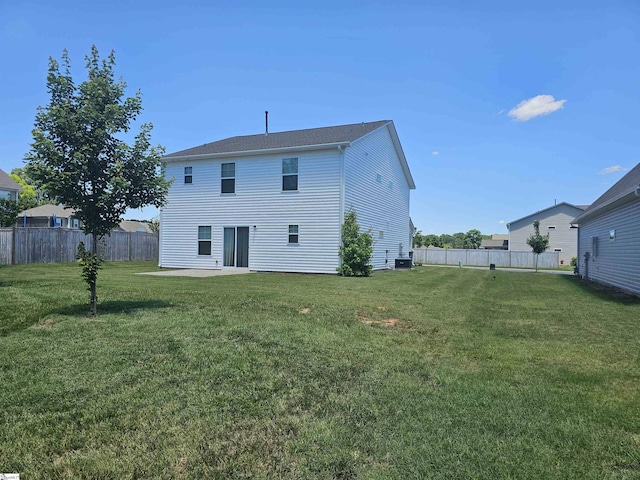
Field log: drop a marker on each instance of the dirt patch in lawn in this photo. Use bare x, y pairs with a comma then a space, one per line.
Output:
373, 320
48, 324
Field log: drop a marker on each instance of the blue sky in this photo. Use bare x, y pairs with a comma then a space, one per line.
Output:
502, 107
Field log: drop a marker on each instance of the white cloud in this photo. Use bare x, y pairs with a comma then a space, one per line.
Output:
534, 107
612, 169
501, 221
435, 153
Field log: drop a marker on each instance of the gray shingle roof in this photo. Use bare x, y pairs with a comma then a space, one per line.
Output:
8, 183
293, 138
48, 210
624, 186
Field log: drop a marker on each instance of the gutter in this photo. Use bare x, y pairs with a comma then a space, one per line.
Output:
605, 207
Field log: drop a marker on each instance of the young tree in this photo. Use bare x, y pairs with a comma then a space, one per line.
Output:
418, 239
356, 248
78, 159
538, 243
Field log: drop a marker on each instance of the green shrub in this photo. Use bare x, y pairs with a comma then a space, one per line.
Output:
356, 248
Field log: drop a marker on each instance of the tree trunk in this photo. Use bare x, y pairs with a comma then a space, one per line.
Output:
537, 254
93, 302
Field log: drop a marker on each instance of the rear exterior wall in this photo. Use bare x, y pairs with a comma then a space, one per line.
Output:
260, 204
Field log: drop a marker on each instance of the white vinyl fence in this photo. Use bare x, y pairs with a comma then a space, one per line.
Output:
484, 258
60, 245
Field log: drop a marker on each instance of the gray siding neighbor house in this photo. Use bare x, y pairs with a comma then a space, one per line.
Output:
557, 221
276, 201
609, 236
8, 187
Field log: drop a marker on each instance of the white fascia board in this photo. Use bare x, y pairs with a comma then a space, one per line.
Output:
246, 153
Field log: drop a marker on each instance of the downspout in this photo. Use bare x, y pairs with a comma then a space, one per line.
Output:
342, 199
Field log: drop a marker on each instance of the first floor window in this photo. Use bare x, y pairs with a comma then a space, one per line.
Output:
293, 233
289, 174
188, 174
204, 240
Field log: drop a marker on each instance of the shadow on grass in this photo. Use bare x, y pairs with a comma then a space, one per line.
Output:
114, 306
603, 292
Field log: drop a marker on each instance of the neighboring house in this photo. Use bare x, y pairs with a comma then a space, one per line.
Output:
276, 201
557, 221
498, 241
133, 226
609, 236
9, 188
48, 216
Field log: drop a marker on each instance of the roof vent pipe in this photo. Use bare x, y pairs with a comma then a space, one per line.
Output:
266, 122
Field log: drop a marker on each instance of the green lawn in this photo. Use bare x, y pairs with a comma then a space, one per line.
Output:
430, 373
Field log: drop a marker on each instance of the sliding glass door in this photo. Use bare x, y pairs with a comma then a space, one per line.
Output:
236, 247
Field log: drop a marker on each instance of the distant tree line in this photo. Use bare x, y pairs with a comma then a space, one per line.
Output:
471, 239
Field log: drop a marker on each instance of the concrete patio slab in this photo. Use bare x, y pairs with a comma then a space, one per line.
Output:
195, 272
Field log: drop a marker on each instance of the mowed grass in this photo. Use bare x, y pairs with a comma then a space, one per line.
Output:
430, 373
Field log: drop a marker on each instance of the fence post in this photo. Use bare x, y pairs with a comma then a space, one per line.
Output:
13, 245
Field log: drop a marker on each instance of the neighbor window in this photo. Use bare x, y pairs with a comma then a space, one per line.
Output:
228, 174
557, 249
612, 234
204, 240
551, 227
293, 233
188, 174
378, 178
289, 174
381, 234
390, 184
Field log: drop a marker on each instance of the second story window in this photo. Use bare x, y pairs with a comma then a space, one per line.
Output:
188, 174
289, 174
228, 174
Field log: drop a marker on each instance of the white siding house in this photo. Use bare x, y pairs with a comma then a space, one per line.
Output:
9, 188
275, 202
609, 236
557, 221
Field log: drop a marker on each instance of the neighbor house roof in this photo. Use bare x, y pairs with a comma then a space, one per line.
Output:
579, 207
294, 138
307, 139
628, 186
494, 243
48, 210
8, 183
134, 226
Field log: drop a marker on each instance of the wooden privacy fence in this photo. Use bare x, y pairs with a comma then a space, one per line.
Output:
60, 245
483, 258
